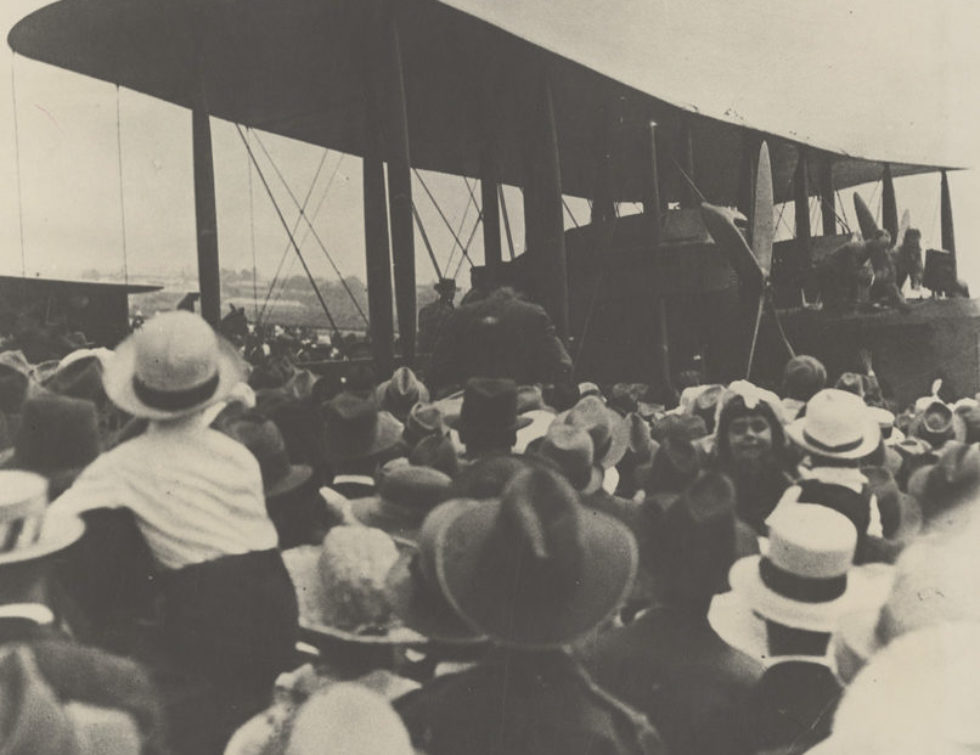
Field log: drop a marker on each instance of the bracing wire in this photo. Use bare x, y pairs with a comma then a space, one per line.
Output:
255, 268
302, 241
316, 236
285, 225
425, 240
442, 214
469, 240
569, 211
503, 207
20, 197
459, 228
122, 193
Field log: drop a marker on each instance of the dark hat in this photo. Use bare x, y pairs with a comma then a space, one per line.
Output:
58, 437
406, 494
489, 405
437, 452
487, 477
401, 392
263, 438
422, 421
623, 397
680, 426
803, 376
412, 585
445, 285
610, 433
79, 378
355, 429
571, 449
535, 569
675, 466
938, 423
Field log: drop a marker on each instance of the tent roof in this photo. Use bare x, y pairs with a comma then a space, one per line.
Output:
298, 69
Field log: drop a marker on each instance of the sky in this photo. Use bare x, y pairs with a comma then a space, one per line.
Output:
105, 175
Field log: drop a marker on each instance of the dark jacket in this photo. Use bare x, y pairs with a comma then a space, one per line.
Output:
791, 707
669, 665
523, 704
500, 336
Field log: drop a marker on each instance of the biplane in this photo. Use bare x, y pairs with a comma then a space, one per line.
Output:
463, 87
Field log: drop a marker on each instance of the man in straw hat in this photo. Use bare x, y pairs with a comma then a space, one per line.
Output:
229, 615
837, 433
783, 607
533, 571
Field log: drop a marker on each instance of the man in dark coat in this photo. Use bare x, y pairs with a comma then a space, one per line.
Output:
434, 315
501, 335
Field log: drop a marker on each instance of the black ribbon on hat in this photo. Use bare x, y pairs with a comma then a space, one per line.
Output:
175, 400
837, 449
803, 589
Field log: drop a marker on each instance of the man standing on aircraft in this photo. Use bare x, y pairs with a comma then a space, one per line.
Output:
434, 315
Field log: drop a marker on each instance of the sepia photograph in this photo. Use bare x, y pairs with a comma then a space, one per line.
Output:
489, 377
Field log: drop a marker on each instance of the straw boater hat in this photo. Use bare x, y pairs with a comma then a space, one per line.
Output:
173, 366
412, 585
609, 431
837, 424
806, 580
535, 569
28, 531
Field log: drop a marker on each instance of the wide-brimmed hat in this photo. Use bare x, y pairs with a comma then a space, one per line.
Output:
487, 477
58, 437
678, 425
937, 423
422, 421
489, 405
436, 452
173, 366
263, 438
571, 449
535, 569
949, 479
406, 494
837, 424
541, 420
355, 429
609, 431
401, 392
413, 587
675, 466
805, 580
28, 531
530, 398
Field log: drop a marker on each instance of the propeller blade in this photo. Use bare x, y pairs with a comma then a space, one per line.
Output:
866, 220
755, 335
730, 240
763, 222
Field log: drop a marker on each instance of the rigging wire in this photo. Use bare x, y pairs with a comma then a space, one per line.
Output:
425, 240
688, 179
503, 206
285, 225
459, 227
442, 214
255, 268
122, 194
20, 198
469, 240
305, 236
569, 211
316, 236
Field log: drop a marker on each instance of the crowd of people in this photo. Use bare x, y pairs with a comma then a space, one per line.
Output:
512, 565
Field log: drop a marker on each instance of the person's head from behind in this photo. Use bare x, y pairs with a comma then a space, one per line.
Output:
488, 421
803, 376
446, 288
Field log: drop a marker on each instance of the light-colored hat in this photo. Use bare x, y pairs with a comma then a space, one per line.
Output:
837, 424
805, 581
173, 366
609, 431
348, 718
28, 530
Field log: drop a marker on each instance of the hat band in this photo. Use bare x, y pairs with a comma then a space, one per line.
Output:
175, 400
802, 589
832, 449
